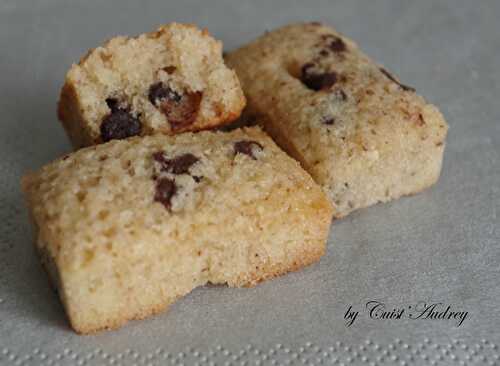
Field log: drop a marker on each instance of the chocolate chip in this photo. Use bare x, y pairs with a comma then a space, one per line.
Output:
334, 43
329, 121
317, 80
181, 164
112, 103
246, 147
181, 110
178, 165
159, 92
120, 123
165, 190
394, 80
320, 81
337, 45
160, 157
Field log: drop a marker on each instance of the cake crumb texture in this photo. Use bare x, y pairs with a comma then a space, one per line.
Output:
171, 80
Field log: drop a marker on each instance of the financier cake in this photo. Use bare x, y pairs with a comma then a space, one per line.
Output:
364, 136
127, 227
172, 80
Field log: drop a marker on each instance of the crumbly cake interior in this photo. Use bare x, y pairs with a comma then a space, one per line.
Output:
169, 81
132, 225
361, 134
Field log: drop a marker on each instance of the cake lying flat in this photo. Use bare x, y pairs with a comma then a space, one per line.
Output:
172, 80
125, 228
363, 136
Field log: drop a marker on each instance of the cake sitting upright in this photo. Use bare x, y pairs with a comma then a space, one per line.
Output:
363, 136
172, 80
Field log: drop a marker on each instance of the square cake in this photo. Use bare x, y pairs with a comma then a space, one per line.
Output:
127, 227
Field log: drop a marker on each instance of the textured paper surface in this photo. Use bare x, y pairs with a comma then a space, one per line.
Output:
438, 246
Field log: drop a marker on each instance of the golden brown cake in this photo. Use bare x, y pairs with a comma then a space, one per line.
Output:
363, 135
127, 227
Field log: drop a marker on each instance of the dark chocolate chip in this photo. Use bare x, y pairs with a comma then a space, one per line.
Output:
394, 80
323, 53
182, 163
317, 80
246, 147
160, 157
197, 179
320, 81
181, 110
337, 45
178, 165
112, 103
334, 43
119, 124
159, 92
165, 190
329, 121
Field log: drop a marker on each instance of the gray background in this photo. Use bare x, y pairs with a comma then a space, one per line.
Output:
438, 246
